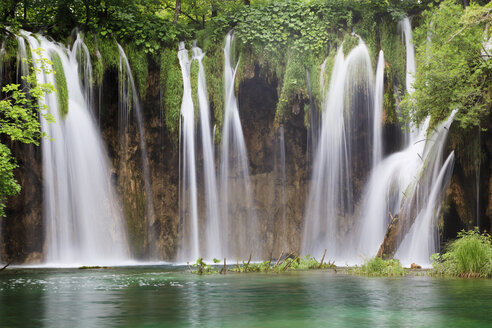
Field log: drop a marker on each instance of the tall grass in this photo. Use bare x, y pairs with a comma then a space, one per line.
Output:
376, 266
470, 255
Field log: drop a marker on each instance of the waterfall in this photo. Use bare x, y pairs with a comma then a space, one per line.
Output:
129, 102
423, 197
412, 134
85, 70
212, 227
408, 185
281, 225
314, 118
238, 218
345, 139
188, 201
377, 139
22, 64
82, 217
422, 240
406, 29
2, 53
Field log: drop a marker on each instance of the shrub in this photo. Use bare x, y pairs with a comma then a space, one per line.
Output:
376, 266
470, 255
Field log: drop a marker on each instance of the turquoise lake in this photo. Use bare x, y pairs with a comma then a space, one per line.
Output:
167, 296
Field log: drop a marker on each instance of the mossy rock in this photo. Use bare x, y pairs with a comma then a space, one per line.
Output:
171, 90
60, 85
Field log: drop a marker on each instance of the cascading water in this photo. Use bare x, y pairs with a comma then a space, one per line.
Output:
281, 225
377, 152
129, 102
407, 185
85, 69
22, 65
83, 221
213, 246
314, 118
346, 138
238, 218
422, 240
406, 29
412, 134
2, 53
190, 248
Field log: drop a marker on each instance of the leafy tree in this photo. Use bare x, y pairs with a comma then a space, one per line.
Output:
454, 68
19, 111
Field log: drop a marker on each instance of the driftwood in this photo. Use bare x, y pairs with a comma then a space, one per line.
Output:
279, 258
5, 267
287, 257
247, 264
322, 259
290, 263
392, 238
224, 269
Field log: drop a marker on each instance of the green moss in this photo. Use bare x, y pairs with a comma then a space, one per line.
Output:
10, 53
138, 61
214, 68
366, 30
349, 43
109, 52
60, 85
171, 90
330, 61
135, 225
96, 59
394, 50
194, 85
294, 86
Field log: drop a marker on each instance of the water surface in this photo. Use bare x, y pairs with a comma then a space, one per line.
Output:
167, 296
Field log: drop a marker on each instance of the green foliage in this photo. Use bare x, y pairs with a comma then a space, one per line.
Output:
194, 67
213, 63
453, 72
470, 255
294, 86
290, 263
301, 26
171, 90
349, 43
200, 267
60, 85
139, 65
19, 110
8, 183
394, 51
110, 53
376, 266
96, 58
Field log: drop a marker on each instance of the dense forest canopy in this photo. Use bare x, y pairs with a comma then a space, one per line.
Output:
163, 22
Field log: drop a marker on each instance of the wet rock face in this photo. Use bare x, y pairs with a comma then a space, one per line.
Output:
149, 236
22, 228
279, 206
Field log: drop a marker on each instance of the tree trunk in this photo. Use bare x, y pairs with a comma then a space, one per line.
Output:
177, 11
